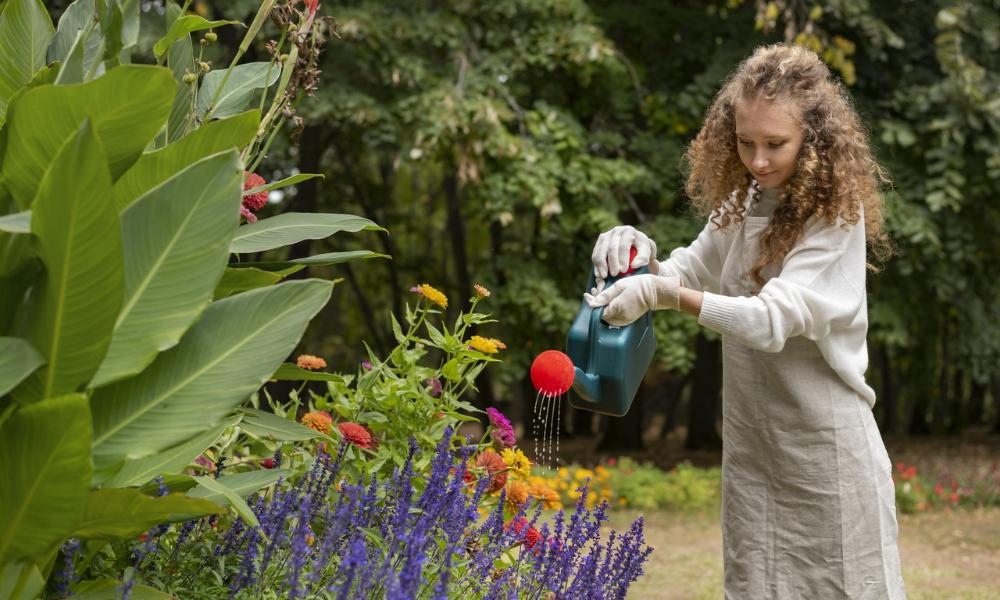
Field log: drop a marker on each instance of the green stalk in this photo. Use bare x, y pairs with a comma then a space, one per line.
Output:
258, 21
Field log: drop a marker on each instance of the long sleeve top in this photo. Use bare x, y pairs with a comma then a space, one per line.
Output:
819, 293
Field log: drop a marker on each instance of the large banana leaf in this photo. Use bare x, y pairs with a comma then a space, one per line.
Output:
25, 31
180, 57
153, 168
79, 239
242, 484
234, 499
240, 86
272, 427
18, 359
127, 106
21, 581
222, 359
290, 228
240, 280
171, 460
107, 589
182, 27
121, 513
176, 241
45, 453
317, 260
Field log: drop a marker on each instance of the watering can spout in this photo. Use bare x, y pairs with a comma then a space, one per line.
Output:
588, 386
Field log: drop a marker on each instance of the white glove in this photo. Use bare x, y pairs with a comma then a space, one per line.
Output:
633, 296
610, 256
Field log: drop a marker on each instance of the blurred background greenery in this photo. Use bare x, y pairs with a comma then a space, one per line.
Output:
496, 140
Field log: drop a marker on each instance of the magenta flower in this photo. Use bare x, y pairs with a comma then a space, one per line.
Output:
366, 365
500, 428
433, 385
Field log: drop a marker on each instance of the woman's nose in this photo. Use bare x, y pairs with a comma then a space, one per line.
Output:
760, 162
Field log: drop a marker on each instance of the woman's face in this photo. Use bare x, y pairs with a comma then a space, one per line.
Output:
768, 136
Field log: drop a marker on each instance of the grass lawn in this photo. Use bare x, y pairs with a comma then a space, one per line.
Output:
954, 555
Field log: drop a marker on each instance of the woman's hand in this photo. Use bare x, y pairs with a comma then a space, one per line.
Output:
633, 296
610, 256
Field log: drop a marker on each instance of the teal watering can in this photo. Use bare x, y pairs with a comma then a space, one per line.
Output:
609, 362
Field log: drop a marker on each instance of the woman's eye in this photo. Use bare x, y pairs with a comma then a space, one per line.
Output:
776, 144
744, 143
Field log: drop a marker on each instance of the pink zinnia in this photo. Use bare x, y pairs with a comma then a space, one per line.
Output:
252, 202
501, 430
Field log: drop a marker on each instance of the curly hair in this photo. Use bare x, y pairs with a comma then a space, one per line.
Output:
835, 174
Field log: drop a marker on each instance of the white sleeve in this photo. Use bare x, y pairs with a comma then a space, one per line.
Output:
699, 265
813, 293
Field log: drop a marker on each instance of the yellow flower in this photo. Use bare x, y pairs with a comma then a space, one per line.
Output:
500, 345
483, 345
432, 294
584, 474
481, 291
516, 461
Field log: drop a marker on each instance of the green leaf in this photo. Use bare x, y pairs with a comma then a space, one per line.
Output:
290, 228
107, 589
241, 280
180, 59
79, 240
153, 168
45, 450
242, 484
291, 372
283, 183
270, 426
240, 505
18, 359
25, 31
127, 106
450, 371
176, 241
240, 86
125, 513
330, 258
182, 27
235, 346
17, 222
171, 460
21, 581
72, 69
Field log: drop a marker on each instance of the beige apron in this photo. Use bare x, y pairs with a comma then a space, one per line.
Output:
808, 505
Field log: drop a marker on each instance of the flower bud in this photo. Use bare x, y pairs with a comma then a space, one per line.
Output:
204, 66
203, 42
190, 78
211, 36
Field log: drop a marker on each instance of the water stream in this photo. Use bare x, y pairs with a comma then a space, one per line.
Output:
545, 426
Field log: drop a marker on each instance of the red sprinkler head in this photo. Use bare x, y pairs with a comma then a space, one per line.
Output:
552, 373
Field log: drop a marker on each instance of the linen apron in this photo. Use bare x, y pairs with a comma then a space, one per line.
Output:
808, 504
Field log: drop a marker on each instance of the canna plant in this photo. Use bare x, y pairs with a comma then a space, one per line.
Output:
130, 329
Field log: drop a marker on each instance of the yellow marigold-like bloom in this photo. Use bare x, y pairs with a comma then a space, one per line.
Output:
517, 494
547, 496
481, 291
483, 345
583, 474
500, 345
433, 294
310, 362
516, 461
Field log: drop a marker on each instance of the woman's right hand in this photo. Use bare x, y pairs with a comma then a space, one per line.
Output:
611, 252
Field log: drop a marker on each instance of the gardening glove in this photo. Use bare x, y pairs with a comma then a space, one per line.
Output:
631, 297
611, 252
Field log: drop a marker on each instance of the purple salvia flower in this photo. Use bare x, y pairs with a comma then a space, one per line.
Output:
352, 566
68, 575
300, 547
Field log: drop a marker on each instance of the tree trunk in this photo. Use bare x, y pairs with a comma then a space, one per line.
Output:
706, 396
977, 403
625, 432
889, 398
995, 392
672, 393
459, 253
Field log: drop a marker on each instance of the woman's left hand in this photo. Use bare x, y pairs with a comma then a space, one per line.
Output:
633, 296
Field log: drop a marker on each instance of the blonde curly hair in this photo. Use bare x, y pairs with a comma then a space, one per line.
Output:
835, 175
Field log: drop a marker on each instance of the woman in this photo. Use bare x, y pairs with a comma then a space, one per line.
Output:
783, 168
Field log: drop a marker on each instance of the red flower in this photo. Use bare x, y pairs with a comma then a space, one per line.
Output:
252, 202
312, 5
267, 463
531, 536
495, 467
356, 434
